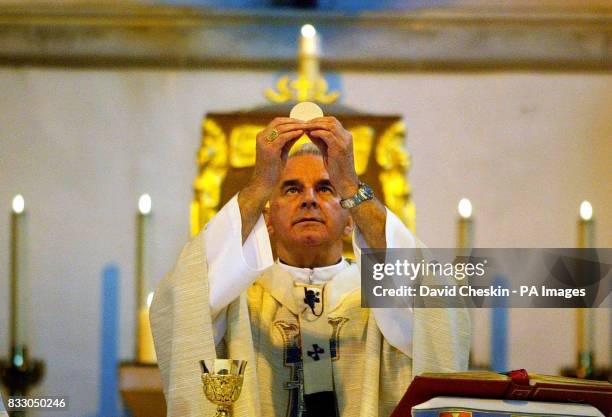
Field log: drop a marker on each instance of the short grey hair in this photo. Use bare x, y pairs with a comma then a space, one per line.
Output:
307, 148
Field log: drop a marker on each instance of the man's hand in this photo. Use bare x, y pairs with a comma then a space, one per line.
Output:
271, 151
271, 155
336, 145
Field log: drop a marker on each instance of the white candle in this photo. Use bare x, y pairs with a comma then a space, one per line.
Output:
308, 62
586, 226
144, 340
465, 225
309, 41
18, 299
585, 318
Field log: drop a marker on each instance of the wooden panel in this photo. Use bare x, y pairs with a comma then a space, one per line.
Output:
141, 390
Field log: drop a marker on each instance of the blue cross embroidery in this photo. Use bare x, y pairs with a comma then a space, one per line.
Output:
315, 354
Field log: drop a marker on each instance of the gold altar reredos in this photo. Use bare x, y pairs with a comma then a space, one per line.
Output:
227, 153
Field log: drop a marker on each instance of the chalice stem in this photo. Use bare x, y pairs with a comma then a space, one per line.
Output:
223, 411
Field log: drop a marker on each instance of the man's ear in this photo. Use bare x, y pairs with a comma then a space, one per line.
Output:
266, 214
350, 225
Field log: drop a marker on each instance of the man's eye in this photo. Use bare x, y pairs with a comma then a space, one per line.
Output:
326, 189
291, 190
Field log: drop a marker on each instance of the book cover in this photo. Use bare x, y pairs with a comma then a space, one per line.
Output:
516, 385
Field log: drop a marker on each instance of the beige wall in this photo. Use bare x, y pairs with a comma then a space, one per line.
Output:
83, 145
526, 149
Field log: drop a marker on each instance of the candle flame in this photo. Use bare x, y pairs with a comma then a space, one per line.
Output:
308, 31
586, 210
465, 208
18, 204
150, 299
144, 204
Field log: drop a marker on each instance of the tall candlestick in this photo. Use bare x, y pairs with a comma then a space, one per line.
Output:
465, 233
585, 318
144, 341
308, 62
18, 300
464, 242
20, 372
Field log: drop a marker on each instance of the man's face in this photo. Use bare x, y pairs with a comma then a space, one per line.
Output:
305, 208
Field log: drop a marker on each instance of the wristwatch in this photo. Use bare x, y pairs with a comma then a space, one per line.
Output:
364, 193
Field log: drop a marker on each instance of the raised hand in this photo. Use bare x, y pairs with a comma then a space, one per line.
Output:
336, 145
272, 148
271, 151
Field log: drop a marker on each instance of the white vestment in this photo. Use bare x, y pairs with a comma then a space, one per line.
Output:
2, 410
222, 289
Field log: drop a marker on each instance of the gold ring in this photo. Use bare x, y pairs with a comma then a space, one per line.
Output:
272, 136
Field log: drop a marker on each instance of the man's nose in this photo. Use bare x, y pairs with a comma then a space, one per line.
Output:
309, 198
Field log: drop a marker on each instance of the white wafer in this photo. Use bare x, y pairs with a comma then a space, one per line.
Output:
306, 111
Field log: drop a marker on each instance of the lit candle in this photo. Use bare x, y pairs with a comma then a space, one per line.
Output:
144, 341
585, 319
18, 277
586, 228
308, 62
464, 241
465, 233
146, 350
309, 41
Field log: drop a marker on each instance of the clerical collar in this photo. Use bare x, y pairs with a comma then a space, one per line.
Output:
314, 275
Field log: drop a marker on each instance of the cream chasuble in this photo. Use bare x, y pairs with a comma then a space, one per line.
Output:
369, 375
3, 412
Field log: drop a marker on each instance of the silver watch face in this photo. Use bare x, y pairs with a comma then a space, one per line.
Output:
364, 193
368, 193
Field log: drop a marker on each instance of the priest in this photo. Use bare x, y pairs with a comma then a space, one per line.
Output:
266, 281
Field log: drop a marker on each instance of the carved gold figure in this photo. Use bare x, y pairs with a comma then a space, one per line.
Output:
394, 161
212, 168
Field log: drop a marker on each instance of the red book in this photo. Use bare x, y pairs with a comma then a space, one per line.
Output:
516, 385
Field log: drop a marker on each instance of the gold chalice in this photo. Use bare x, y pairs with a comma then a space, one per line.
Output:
222, 382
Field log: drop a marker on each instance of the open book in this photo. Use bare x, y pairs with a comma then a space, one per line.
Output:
516, 385
486, 407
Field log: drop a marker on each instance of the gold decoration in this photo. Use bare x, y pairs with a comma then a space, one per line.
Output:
390, 152
242, 145
363, 137
212, 168
222, 383
218, 154
394, 160
272, 136
302, 89
309, 84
